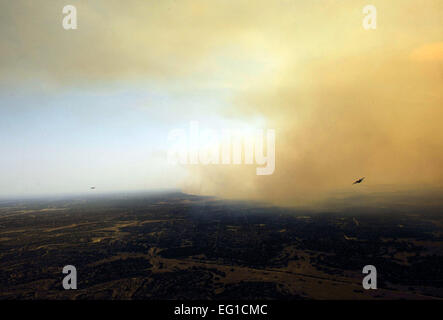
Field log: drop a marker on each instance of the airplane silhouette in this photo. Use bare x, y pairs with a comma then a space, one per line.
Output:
359, 180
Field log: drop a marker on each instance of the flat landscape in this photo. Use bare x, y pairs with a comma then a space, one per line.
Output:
178, 246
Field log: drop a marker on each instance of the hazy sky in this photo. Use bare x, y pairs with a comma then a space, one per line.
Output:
93, 106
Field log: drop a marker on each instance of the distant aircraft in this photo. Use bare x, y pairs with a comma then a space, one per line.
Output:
92, 188
359, 180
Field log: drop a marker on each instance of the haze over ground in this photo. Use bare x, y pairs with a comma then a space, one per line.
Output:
93, 106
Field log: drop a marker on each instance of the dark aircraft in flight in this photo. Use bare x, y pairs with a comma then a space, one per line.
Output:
359, 180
